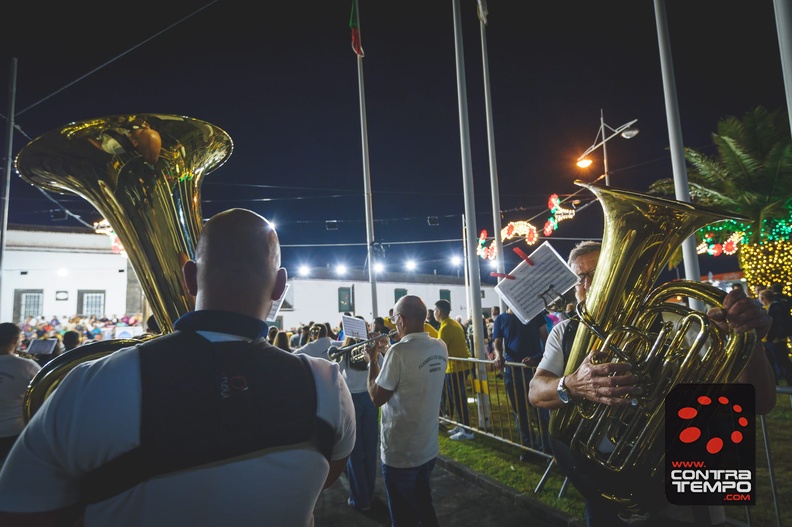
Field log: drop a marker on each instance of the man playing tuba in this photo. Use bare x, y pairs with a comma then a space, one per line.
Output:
613, 384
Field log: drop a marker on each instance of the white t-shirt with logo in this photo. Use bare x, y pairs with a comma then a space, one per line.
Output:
414, 369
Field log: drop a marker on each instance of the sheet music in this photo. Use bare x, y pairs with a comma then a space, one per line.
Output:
535, 285
354, 327
273, 314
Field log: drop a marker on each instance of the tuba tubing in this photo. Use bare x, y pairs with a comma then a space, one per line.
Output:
619, 317
143, 174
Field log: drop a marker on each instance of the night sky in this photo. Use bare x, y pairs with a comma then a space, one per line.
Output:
281, 78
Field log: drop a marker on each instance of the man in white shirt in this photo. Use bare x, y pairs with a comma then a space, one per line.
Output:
15, 374
106, 411
408, 388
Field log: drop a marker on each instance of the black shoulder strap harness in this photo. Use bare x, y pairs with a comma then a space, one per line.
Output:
204, 402
570, 330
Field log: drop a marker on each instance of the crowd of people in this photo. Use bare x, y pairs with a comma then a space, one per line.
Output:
69, 332
148, 450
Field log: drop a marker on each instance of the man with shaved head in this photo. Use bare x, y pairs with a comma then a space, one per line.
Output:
208, 425
408, 388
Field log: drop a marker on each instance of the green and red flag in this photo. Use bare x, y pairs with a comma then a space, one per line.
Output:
354, 25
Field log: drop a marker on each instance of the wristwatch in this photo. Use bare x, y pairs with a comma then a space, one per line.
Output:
563, 391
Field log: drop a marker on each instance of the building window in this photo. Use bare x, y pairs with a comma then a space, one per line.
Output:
91, 303
28, 303
346, 302
398, 293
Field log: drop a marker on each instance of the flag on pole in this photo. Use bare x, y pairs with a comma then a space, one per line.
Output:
354, 25
481, 9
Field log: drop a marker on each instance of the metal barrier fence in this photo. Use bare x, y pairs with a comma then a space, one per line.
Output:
503, 412
495, 404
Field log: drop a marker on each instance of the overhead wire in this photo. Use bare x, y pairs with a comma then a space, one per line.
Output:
77, 217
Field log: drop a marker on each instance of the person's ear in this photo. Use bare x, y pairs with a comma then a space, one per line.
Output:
280, 284
190, 274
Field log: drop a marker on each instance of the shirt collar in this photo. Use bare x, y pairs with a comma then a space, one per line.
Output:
223, 322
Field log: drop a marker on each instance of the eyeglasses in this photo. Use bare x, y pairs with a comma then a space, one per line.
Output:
394, 318
582, 277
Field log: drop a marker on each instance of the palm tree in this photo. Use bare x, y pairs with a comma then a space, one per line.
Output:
751, 175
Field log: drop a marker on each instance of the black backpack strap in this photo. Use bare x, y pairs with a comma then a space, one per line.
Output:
323, 435
204, 402
570, 330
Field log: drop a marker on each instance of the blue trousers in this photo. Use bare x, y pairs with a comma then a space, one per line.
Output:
516, 381
361, 467
455, 395
410, 496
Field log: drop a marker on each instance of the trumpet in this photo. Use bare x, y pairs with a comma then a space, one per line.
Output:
355, 353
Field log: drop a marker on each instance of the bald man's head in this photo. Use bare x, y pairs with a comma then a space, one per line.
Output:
410, 311
237, 264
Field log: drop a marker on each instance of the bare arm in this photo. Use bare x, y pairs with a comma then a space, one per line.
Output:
337, 466
378, 394
497, 346
543, 389
609, 383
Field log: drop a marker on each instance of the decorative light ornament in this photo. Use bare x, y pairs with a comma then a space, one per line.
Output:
549, 226
520, 228
557, 214
512, 230
484, 252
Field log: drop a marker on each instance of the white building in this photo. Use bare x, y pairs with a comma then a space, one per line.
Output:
63, 272
68, 271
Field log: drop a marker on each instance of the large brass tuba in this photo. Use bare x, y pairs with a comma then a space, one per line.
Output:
143, 173
623, 445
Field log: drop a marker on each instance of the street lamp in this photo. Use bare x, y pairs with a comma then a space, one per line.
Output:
626, 131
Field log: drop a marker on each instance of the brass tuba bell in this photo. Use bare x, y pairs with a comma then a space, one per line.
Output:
623, 445
143, 174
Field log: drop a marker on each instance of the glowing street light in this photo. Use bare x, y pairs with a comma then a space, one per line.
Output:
626, 131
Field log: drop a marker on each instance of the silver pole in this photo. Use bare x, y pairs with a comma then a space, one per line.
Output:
681, 188
474, 271
367, 181
9, 146
467, 180
783, 15
493, 165
466, 271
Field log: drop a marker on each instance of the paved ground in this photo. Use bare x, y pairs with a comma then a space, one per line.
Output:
462, 498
